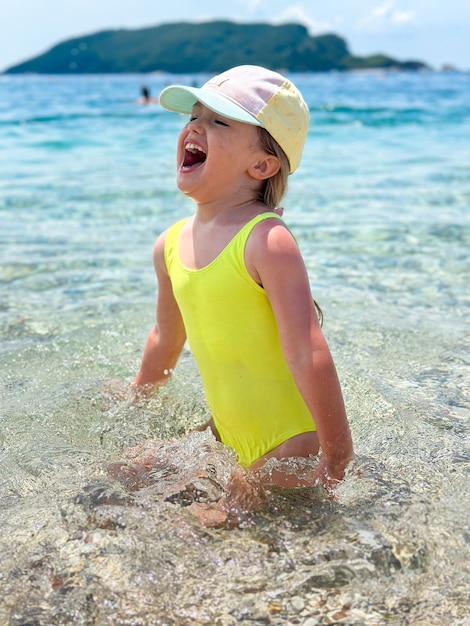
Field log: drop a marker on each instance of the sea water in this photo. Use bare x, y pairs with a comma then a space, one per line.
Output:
381, 210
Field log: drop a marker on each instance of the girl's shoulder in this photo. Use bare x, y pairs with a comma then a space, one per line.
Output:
270, 245
269, 229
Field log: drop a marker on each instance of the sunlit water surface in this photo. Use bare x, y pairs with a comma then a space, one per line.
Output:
380, 207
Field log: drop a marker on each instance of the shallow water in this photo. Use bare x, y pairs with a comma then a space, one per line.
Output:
380, 207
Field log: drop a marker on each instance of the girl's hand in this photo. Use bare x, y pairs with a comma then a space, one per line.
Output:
330, 473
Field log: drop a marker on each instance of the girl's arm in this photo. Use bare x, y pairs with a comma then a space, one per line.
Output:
274, 260
166, 339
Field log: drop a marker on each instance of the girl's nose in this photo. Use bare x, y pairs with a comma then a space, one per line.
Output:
194, 124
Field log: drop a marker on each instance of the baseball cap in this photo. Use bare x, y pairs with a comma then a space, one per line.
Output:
254, 95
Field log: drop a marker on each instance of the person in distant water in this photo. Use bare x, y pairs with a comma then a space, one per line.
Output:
145, 97
232, 281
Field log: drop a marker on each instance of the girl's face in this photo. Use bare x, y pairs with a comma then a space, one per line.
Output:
214, 154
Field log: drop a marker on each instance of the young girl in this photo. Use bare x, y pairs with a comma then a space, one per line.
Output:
231, 279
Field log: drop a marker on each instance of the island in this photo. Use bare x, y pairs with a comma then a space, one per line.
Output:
205, 47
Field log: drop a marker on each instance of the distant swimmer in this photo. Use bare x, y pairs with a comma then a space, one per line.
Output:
146, 98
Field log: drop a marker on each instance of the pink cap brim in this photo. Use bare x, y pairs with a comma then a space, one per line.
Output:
181, 99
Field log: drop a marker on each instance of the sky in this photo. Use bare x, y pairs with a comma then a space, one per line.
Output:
434, 31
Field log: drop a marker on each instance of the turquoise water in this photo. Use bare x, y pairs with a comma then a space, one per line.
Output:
381, 209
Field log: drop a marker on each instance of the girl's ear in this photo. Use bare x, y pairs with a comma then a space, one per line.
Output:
265, 167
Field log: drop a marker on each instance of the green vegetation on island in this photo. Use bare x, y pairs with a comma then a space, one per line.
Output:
204, 47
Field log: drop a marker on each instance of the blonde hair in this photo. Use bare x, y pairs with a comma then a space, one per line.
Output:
274, 189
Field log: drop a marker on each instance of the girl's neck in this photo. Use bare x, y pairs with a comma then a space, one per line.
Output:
229, 213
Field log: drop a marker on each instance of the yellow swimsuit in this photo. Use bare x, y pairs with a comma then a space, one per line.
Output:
232, 333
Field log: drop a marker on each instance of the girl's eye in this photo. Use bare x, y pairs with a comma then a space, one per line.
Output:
192, 118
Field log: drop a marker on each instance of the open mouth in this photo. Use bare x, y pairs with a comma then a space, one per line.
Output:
193, 155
